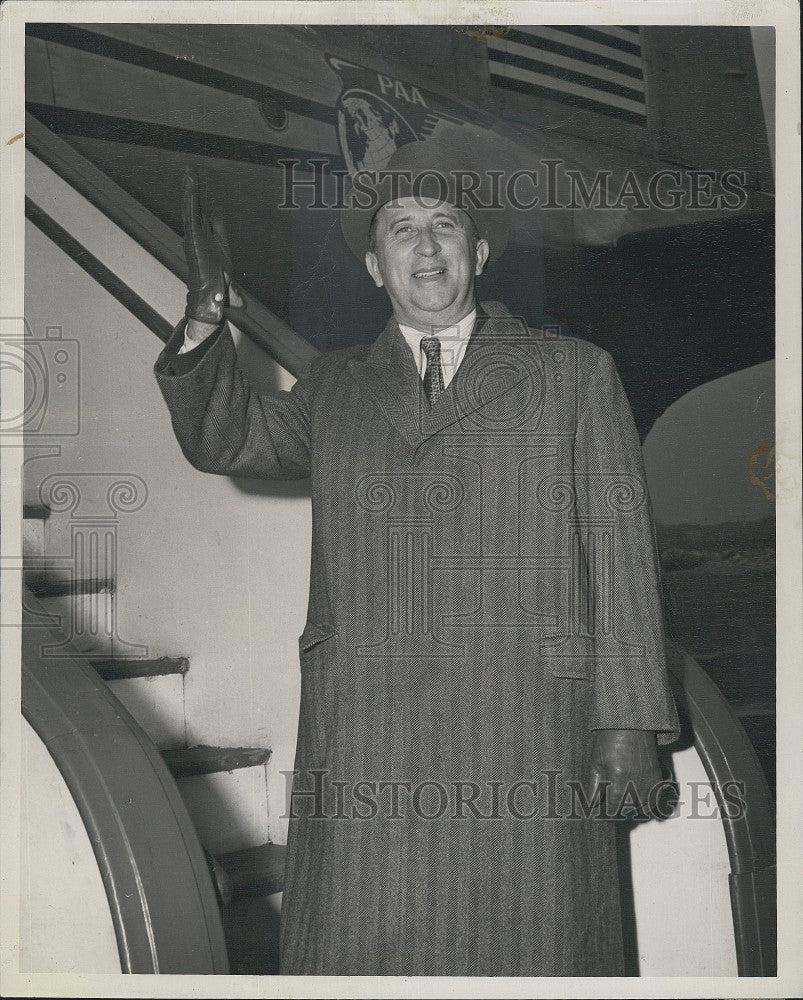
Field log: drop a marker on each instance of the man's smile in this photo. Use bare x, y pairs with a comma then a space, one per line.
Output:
433, 272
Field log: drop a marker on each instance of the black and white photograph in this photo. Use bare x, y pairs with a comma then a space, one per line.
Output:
401, 540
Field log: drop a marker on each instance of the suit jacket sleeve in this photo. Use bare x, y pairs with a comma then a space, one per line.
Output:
621, 564
223, 426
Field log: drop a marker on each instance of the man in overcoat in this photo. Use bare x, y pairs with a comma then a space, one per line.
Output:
482, 667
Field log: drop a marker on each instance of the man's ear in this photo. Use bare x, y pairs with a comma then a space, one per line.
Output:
373, 268
482, 252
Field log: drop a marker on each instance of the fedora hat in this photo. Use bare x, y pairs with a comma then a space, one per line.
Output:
427, 169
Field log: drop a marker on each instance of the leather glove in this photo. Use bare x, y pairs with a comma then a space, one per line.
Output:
206, 249
628, 759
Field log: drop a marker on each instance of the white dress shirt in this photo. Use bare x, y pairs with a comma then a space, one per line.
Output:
188, 344
454, 340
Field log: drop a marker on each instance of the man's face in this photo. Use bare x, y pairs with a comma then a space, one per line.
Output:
426, 259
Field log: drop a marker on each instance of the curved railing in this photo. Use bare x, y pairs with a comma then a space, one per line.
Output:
160, 893
731, 763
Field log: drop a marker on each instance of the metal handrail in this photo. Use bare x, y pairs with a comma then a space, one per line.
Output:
731, 762
288, 348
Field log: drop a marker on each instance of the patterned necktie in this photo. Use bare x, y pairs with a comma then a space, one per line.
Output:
433, 376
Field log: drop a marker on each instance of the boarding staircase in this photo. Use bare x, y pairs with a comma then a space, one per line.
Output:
123, 716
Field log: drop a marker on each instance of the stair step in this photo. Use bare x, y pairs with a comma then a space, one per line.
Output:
35, 512
755, 709
33, 541
48, 586
85, 616
255, 871
230, 809
122, 669
211, 760
158, 704
252, 925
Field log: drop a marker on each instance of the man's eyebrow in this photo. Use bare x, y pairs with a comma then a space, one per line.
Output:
440, 214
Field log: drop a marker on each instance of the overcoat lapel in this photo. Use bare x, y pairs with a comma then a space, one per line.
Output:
497, 359
388, 374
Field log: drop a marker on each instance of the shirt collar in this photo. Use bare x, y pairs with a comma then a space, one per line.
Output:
453, 340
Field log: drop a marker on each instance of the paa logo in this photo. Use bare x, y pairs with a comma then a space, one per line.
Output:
376, 114
369, 129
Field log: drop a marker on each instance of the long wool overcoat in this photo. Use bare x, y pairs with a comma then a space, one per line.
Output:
484, 594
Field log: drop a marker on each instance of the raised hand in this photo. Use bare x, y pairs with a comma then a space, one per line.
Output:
206, 248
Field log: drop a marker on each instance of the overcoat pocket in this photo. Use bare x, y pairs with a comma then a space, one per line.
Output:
314, 634
581, 669
322, 727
